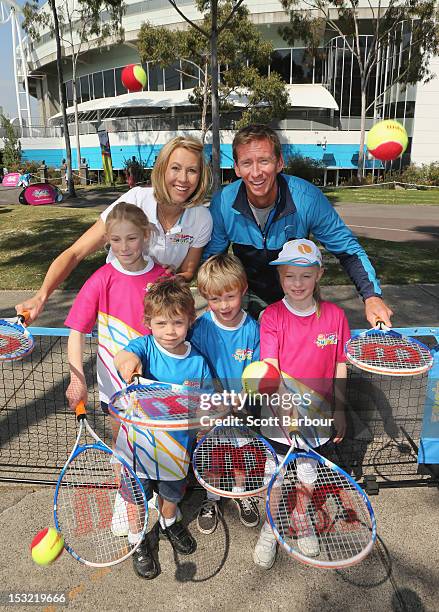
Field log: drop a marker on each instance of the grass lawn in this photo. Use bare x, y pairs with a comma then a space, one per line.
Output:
32, 236
379, 195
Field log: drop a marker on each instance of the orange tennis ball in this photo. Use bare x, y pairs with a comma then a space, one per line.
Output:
260, 377
387, 140
47, 546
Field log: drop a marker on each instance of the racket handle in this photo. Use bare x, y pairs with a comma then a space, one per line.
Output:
80, 411
23, 316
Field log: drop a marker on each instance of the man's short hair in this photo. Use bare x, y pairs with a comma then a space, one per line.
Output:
257, 131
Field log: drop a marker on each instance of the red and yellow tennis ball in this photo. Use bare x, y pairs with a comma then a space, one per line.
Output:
133, 77
47, 546
387, 140
260, 377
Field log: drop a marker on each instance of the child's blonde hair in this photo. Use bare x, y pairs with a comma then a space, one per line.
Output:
316, 293
161, 163
169, 297
220, 273
128, 212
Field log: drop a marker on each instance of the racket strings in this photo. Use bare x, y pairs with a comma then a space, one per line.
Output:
96, 503
230, 461
331, 511
380, 350
156, 404
14, 342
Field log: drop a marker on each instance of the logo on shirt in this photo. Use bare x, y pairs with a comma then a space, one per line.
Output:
182, 239
326, 339
243, 355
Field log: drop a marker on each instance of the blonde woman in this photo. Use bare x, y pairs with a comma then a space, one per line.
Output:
173, 205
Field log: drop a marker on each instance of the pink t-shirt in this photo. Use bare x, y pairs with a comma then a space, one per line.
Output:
308, 349
114, 297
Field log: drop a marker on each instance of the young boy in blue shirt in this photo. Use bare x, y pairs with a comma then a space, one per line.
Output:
165, 356
229, 339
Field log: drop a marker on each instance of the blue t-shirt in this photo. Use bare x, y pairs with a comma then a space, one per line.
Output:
190, 369
228, 349
161, 454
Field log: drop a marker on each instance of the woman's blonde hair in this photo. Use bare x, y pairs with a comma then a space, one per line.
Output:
161, 163
220, 273
169, 297
128, 212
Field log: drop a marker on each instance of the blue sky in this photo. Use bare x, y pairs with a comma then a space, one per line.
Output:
7, 85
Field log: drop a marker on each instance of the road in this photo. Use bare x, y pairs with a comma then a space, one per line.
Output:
397, 223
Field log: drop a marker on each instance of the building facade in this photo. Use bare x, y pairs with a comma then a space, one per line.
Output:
323, 120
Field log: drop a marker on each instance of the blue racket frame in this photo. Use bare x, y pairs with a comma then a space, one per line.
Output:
292, 456
99, 446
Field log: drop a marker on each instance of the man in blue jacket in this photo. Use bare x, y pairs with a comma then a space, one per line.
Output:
266, 208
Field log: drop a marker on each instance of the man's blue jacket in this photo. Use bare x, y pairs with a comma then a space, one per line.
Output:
301, 209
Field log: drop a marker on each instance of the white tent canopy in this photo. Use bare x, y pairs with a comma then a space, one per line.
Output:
300, 96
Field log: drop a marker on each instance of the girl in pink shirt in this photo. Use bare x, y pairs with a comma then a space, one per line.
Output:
303, 338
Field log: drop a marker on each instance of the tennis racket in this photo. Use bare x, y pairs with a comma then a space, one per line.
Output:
86, 497
386, 351
158, 405
318, 513
15, 340
233, 462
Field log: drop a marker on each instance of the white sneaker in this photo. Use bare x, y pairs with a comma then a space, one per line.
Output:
119, 522
307, 540
264, 554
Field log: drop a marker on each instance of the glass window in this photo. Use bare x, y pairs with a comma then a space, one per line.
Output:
172, 78
302, 66
120, 88
69, 92
85, 88
109, 83
155, 78
98, 85
281, 63
191, 75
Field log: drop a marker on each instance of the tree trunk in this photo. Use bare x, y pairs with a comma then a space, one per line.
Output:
360, 171
75, 104
216, 170
205, 102
63, 101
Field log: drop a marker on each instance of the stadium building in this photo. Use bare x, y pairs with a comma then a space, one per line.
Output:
323, 120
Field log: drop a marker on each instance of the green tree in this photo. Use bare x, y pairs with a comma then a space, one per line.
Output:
12, 146
388, 43
77, 27
224, 37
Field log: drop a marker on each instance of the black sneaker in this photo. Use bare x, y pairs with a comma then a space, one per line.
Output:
144, 563
180, 538
248, 511
207, 519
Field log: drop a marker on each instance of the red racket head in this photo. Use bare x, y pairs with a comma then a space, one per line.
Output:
386, 351
163, 406
15, 340
234, 462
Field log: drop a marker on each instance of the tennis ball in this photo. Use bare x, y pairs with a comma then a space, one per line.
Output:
47, 546
133, 77
260, 377
387, 140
